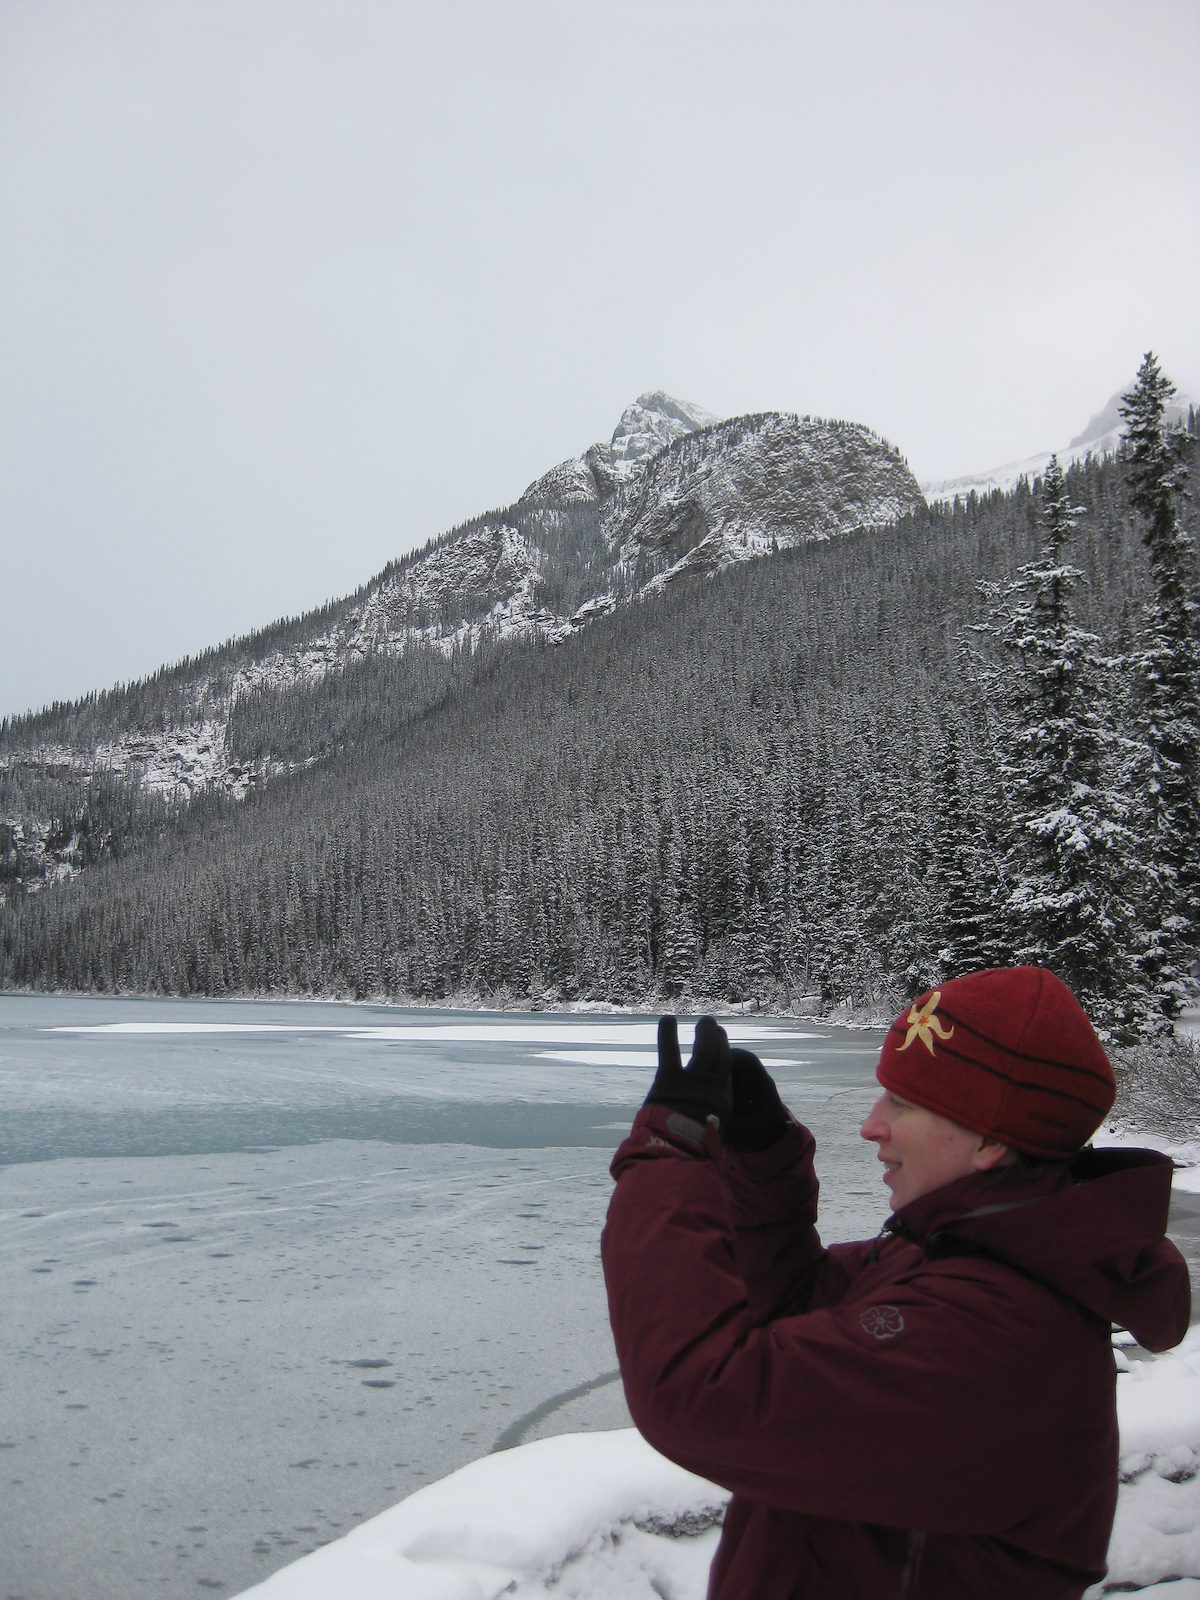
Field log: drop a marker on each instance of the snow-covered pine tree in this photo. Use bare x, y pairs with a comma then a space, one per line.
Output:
966, 888
1073, 862
1168, 675
678, 951
633, 953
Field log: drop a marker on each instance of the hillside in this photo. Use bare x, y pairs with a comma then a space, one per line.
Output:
772, 784
716, 718
674, 494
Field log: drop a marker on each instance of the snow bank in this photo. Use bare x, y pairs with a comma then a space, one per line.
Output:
1157, 1532
602, 1516
594, 1515
1185, 1155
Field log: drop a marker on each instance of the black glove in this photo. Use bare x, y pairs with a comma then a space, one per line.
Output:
705, 1088
759, 1116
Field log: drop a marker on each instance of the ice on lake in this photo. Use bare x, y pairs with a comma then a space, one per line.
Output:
269, 1268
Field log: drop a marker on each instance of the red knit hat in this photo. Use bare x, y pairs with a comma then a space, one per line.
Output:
1008, 1053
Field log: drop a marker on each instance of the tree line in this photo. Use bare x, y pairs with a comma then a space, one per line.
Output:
847, 771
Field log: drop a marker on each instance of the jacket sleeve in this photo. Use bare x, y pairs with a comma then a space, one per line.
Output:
772, 1201
914, 1412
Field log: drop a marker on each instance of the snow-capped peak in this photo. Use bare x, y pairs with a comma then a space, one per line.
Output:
1103, 433
1107, 420
653, 421
1101, 437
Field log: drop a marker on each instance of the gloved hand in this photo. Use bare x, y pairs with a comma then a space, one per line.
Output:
704, 1089
759, 1116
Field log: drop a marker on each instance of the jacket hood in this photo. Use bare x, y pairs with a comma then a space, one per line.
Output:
1093, 1230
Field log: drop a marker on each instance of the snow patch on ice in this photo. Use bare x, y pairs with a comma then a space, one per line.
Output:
529, 1031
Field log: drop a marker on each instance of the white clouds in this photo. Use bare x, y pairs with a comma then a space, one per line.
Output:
288, 288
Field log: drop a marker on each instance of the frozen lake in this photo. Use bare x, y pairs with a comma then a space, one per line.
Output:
267, 1268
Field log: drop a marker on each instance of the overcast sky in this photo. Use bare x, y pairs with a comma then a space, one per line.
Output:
288, 287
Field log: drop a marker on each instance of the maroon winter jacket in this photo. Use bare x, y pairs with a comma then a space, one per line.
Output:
929, 1415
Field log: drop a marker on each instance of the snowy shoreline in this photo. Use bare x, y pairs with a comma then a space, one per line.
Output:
601, 1516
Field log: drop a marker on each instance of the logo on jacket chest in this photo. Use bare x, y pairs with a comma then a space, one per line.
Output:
882, 1322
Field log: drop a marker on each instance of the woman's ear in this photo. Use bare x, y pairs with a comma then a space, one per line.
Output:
992, 1154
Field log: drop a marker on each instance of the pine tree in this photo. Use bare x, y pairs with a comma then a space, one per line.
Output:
966, 885
1072, 862
1168, 664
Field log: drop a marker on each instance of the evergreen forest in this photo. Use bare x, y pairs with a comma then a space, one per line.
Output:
839, 774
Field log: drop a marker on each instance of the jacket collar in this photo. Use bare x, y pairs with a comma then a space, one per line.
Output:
978, 1194
1092, 1231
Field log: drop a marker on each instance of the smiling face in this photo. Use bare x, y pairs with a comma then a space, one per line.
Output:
922, 1151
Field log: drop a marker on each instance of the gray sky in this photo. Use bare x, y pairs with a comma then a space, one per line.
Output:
288, 287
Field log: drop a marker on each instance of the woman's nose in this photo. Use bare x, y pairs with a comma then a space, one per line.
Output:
873, 1127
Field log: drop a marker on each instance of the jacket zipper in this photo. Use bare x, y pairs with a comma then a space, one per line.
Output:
911, 1575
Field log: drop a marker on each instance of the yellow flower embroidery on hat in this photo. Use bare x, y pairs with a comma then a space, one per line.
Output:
923, 1025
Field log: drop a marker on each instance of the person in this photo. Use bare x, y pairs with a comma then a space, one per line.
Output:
930, 1415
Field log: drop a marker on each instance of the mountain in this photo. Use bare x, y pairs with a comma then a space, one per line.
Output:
1101, 437
784, 778
674, 494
